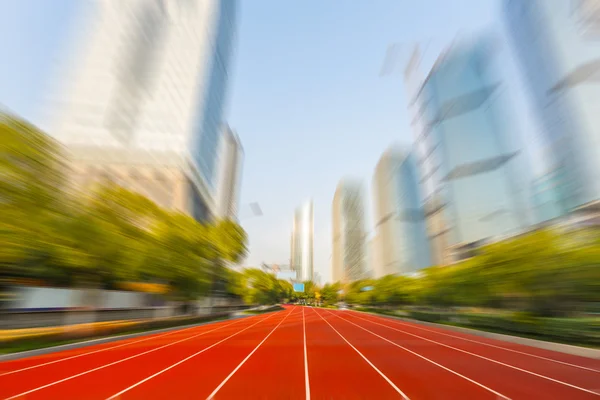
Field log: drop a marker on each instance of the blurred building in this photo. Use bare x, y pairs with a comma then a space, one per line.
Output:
375, 256
556, 42
287, 274
472, 168
143, 98
546, 202
316, 278
302, 242
349, 232
230, 164
427, 165
403, 245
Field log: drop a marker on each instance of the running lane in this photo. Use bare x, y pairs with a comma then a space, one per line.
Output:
277, 369
199, 374
336, 370
578, 370
418, 377
475, 362
100, 374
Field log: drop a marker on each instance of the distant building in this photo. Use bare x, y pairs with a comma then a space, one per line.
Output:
473, 167
547, 204
316, 278
230, 164
556, 42
349, 232
143, 96
375, 252
424, 146
302, 242
403, 245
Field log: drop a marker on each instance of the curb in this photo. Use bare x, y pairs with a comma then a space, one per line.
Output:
540, 344
77, 345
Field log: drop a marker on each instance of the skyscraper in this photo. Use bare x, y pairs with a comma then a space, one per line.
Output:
349, 232
302, 242
143, 101
474, 175
229, 179
402, 241
556, 42
424, 146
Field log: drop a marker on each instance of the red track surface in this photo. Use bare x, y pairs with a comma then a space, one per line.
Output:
303, 353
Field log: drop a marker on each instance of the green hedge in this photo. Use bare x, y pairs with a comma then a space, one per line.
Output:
585, 331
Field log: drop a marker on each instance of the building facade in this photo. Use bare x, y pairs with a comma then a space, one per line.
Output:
557, 45
349, 232
302, 242
230, 162
547, 205
427, 165
145, 90
474, 174
403, 244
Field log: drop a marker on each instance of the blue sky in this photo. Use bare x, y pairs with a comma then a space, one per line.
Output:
306, 96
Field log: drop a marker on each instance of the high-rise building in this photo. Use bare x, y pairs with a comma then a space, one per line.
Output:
349, 232
546, 202
230, 163
471, 162
402, 244
302, 242
375, 256
424, 145
556, 42
143, 98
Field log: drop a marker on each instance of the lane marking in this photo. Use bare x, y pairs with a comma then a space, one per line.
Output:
306, 381
212, 395
396, 388
486, 358
487, 344
500, 395
116, 395
115, 362
95, 351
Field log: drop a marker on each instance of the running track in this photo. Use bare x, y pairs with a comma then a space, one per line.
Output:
303, 353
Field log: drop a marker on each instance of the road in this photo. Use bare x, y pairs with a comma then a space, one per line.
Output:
303, 353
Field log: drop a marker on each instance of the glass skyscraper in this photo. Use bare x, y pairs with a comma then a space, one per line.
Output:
142, 97
349, 232
474, 166
557, 43
302, 242
401, 244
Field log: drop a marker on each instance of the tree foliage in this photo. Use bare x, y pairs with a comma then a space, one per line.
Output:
547, 272
108, 235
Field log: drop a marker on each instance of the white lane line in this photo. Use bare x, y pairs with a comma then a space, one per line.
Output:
486, 344
116, 395
425, 358
306, 381
95, 351
114, 363
396, 388
212, 395
485, 358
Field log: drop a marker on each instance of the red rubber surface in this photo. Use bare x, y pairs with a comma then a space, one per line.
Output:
301, 352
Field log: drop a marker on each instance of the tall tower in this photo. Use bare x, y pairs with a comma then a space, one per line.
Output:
302, 242
556, 43
349, 232
230, 164
143, 98
475, 177
401, 239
